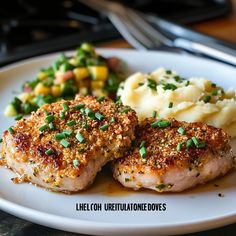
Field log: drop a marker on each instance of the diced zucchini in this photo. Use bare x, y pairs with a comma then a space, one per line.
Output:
112, 84
65, 67
81, 73
87, 47
68, 88
17, 104
83, 91
27, 108
73, 61
24, 97
99, 93
98, 72
10, 110
41, 89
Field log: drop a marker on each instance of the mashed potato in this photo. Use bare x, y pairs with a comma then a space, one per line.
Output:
164, 94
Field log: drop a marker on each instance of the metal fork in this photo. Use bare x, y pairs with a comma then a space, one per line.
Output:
142, 35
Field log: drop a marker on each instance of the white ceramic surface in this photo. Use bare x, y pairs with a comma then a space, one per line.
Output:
190, 211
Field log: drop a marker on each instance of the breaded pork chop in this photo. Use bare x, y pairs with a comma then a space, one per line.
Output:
171, 156
63, 145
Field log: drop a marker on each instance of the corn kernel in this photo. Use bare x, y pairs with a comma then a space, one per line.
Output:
99, 72
40, 89
81, 73
97, 84
56, 91
42, 75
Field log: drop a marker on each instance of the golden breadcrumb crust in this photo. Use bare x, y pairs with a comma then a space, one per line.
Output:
162, 148
31, 144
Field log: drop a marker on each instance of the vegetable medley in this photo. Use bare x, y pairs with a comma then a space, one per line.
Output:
86, 73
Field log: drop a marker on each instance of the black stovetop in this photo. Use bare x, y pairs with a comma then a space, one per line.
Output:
31, 27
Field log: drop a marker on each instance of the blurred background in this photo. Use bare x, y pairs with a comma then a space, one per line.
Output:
29, 27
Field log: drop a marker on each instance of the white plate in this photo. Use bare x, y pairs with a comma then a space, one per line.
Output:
194, 210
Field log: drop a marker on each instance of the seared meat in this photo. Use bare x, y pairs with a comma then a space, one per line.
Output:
174, 156
63, 145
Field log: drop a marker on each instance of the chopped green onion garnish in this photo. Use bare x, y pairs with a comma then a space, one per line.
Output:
201, 144
113, 120
45, 112
75, 162
43, 128
207, 99
65, 106
170, 105
11, 130
84, 125
169, 87
79, 106
67, 133
62, 115
104, 127
49, 152
89, 112
168, 72
214, 92
142, 144
178, 79
143, 152
71, 123
179, 146
118, 100
161, 124
82, 110
19, 117
189, 143
60, 136
181, 130
152, 84
99, 116
154, 114
80, 137
197, 143
1, 140
140, 84
100, 99
195, 140
187, 83
125, 110
51, 126
50, 118
213, 85
64, 143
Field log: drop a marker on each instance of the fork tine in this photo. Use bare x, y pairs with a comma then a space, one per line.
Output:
137, 36
141, 23
122, 28
143, 38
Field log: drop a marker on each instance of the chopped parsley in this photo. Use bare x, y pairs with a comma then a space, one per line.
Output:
169, 86
152, 84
